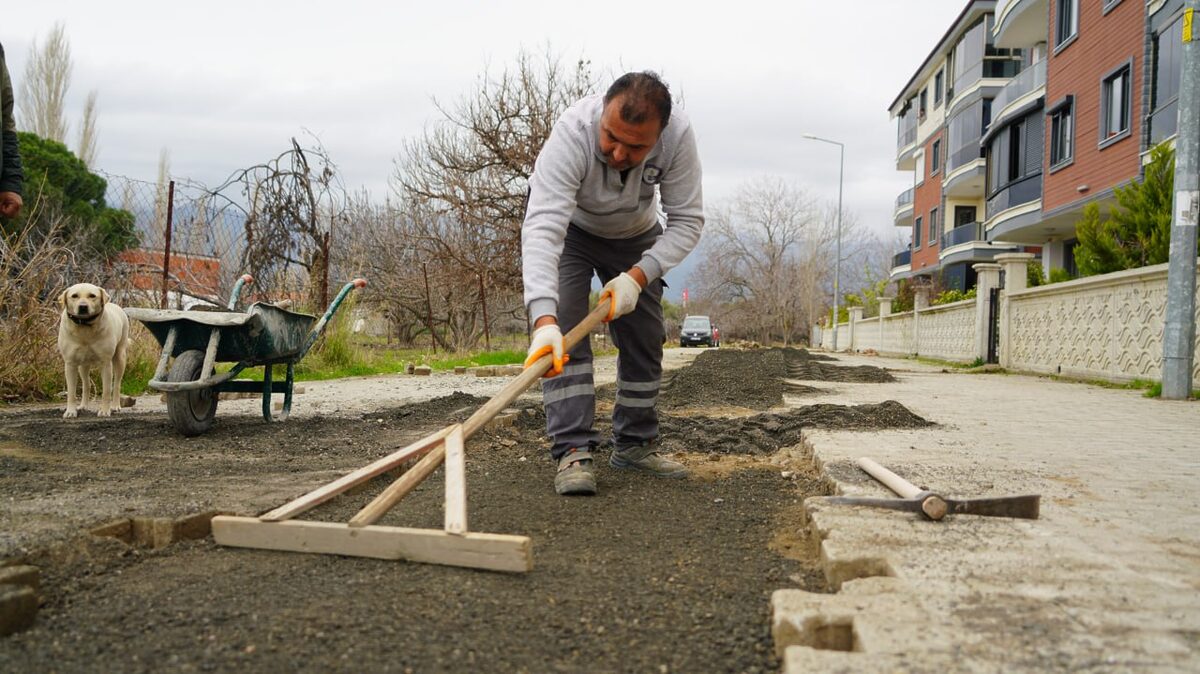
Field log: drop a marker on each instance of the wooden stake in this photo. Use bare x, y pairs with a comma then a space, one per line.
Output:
323, 494
495, 552
456, 483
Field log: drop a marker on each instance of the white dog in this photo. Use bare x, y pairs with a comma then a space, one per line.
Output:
93, 332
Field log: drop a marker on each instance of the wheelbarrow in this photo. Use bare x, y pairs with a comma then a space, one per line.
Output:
265, 334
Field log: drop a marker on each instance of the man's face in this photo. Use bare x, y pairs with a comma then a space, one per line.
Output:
625, 145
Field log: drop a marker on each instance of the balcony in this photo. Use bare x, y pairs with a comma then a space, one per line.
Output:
1024, 191
1164, 122
1025, 87
972, 231
904, 208
1019, 23
965, 167
901, 265
906, 141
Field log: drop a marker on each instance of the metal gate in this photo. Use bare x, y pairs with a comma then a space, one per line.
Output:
993, 343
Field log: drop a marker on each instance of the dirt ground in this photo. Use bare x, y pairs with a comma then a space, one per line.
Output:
650, 575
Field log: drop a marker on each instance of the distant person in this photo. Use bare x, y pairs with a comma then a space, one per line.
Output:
12, 177
593, 202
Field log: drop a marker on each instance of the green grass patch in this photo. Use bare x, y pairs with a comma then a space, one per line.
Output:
937, 362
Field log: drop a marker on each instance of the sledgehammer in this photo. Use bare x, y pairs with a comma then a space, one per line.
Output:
934, 506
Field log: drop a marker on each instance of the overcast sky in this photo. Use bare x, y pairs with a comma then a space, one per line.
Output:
223, 85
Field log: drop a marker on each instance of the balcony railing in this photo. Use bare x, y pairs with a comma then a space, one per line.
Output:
972, 231
906, 137
1017, 193
905, 199
902, 258
1164, 122
1025, 82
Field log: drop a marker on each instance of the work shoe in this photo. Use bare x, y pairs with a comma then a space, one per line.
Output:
646, 458
575, 476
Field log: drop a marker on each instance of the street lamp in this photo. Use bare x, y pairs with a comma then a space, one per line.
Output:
837, 263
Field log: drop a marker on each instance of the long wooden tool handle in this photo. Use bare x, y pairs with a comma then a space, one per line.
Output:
932, 505
902, 487
423, 468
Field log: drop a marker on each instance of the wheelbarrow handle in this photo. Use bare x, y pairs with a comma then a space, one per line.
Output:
237, 289
333, 307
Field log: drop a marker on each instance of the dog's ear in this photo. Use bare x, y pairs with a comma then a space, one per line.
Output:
103, 297
62, 300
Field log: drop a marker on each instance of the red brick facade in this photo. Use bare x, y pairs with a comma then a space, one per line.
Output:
1104, 43
199, 275
926, 197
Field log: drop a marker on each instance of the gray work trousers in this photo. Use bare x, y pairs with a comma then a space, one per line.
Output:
570, 398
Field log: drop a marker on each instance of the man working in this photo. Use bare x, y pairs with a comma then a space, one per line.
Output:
11, 176
593, 209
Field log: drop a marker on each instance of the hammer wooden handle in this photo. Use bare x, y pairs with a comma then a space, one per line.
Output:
931, 504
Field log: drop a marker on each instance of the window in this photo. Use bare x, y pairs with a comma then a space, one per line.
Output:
935, 159
934, 233
1014, 164
1062, 134
963, 215
1109, 4
1167, 60
937, 87
1115, 105
924, 102
917, 233
1066, 21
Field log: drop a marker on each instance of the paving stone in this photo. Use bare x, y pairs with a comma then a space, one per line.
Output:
18, 608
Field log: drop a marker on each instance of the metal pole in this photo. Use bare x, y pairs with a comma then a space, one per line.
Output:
167, 242
487, 336
429, 307
837, 261
1179, 333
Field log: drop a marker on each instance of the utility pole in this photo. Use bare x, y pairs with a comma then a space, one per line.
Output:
1179, 334
837, 262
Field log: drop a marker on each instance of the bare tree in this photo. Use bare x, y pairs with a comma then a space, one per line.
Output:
87, 131
469, 171
767, 265
290, 205
44, 88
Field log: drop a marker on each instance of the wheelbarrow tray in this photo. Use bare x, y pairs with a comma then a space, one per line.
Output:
263, 334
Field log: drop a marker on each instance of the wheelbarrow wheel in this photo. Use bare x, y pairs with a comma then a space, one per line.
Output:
192, 412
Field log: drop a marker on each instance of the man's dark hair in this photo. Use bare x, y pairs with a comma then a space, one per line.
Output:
643, 94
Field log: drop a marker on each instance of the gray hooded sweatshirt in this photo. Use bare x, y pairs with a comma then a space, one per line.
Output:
571, 183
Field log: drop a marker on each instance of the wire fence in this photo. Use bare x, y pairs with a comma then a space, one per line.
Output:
192, 247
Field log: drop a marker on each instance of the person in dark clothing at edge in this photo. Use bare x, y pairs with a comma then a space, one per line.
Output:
11, 175
594, 200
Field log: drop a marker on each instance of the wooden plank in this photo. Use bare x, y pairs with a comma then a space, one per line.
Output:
494, 552
456, 483
323, 494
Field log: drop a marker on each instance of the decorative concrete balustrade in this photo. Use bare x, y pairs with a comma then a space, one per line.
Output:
1100, 327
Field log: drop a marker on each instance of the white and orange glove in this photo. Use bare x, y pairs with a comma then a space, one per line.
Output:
623, 293
547, 339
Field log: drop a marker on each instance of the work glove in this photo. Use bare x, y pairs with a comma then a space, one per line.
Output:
547, 339
623, 293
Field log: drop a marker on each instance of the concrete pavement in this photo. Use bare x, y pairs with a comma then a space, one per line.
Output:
1108, 579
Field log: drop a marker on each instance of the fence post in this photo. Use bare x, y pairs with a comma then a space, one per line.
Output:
988, 278
1016, 269
167, 242
487, 335
429, 307
920, 302
885, 309
856, 314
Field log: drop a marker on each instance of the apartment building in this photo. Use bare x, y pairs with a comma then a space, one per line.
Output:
1050, 105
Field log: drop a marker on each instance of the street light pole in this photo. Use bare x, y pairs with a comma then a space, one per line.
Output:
1179, 331
837, 263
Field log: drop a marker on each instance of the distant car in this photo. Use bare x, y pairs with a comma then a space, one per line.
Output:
696, 331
